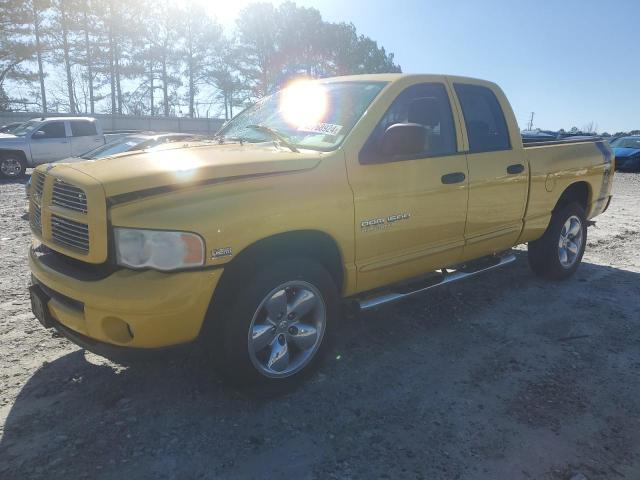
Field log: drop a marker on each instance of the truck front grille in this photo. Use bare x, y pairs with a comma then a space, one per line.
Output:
69, 233
69, 196
67, 213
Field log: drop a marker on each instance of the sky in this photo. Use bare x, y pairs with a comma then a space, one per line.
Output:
571, 62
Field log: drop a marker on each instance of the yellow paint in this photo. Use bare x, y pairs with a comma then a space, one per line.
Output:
234, 196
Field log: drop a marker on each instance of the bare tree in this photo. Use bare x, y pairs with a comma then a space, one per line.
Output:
146, 56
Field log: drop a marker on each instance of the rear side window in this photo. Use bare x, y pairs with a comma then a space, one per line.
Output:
426, 104
53, 130
83, 129
484, 119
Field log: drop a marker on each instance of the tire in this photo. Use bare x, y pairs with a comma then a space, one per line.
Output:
269, 304
558, 253
12, 166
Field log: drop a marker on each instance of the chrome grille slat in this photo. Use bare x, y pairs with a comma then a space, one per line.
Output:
66, 242
74, 233
69, 196
38, 185
70, 243
82, 238
71, 224
73, 195
70, 233
68, 238
36, 218
69, 204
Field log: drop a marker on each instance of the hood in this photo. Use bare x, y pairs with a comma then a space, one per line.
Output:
626, 152
8, 139
70, 160
172, 168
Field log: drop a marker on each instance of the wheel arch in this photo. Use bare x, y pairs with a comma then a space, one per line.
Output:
313, 244
19, 153
579, 192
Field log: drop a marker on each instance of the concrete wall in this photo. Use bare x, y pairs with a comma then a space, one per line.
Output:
205, 126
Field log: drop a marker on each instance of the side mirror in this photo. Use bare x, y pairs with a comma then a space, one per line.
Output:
38, 134
403, 139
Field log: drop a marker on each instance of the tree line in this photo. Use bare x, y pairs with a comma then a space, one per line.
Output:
150, 57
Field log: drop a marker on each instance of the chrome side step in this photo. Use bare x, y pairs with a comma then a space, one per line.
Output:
446, 276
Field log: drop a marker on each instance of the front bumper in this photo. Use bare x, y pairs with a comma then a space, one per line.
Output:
138, 309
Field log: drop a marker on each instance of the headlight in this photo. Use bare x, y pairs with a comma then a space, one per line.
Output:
159, 249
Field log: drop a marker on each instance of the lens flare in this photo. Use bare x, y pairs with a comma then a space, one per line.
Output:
303, 103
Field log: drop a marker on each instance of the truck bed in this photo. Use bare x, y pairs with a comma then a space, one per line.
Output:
528, 142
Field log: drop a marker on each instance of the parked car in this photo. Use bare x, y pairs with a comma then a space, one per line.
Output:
364, 189
45, 140
627, 152
125, 144
534, 136
9, 127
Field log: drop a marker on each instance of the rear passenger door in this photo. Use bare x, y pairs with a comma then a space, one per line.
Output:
49, 142
498, 172
84, 137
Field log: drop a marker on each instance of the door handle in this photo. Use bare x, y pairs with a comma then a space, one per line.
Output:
515, 169
450, 178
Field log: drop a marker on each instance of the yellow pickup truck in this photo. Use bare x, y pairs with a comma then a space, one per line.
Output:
365, 189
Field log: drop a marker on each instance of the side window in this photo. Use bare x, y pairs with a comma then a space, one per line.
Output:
83, 129
52, 130
426, 104
484, 119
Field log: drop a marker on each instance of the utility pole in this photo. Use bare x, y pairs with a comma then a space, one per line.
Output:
531, 121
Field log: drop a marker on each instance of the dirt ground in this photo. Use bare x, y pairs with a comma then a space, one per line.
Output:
505, 376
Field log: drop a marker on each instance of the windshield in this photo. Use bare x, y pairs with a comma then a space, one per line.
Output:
117, 146
307, 114
26, 128
626, 142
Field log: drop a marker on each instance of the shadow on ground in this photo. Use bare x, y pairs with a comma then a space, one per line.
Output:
502, 377
13, 181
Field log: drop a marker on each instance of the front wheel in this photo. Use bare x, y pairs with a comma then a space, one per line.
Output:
558, 253
277, 324
12, 167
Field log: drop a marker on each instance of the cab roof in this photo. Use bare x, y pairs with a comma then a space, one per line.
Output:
392, 77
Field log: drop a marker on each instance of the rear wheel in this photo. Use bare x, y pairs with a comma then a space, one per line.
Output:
558, 253
12, 166
276, 325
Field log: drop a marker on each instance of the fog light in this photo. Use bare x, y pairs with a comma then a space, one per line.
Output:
117, 330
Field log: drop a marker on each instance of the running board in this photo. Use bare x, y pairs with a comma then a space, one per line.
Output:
446, 276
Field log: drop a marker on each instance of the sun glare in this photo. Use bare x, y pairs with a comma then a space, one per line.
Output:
303, 103
224, 11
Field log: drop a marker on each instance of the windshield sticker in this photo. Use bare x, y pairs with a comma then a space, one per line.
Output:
323, 128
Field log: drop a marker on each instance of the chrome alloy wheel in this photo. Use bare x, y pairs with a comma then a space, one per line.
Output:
287, 329
10, 167
570, 242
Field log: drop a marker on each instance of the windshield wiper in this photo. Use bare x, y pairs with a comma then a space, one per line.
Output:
223, 138
275, 134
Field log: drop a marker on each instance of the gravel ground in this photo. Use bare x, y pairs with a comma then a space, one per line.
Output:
504, 377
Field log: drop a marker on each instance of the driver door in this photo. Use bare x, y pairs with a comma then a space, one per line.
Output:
410, 211
52, 144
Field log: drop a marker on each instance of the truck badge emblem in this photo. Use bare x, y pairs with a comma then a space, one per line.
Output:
221, 252
379, 223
